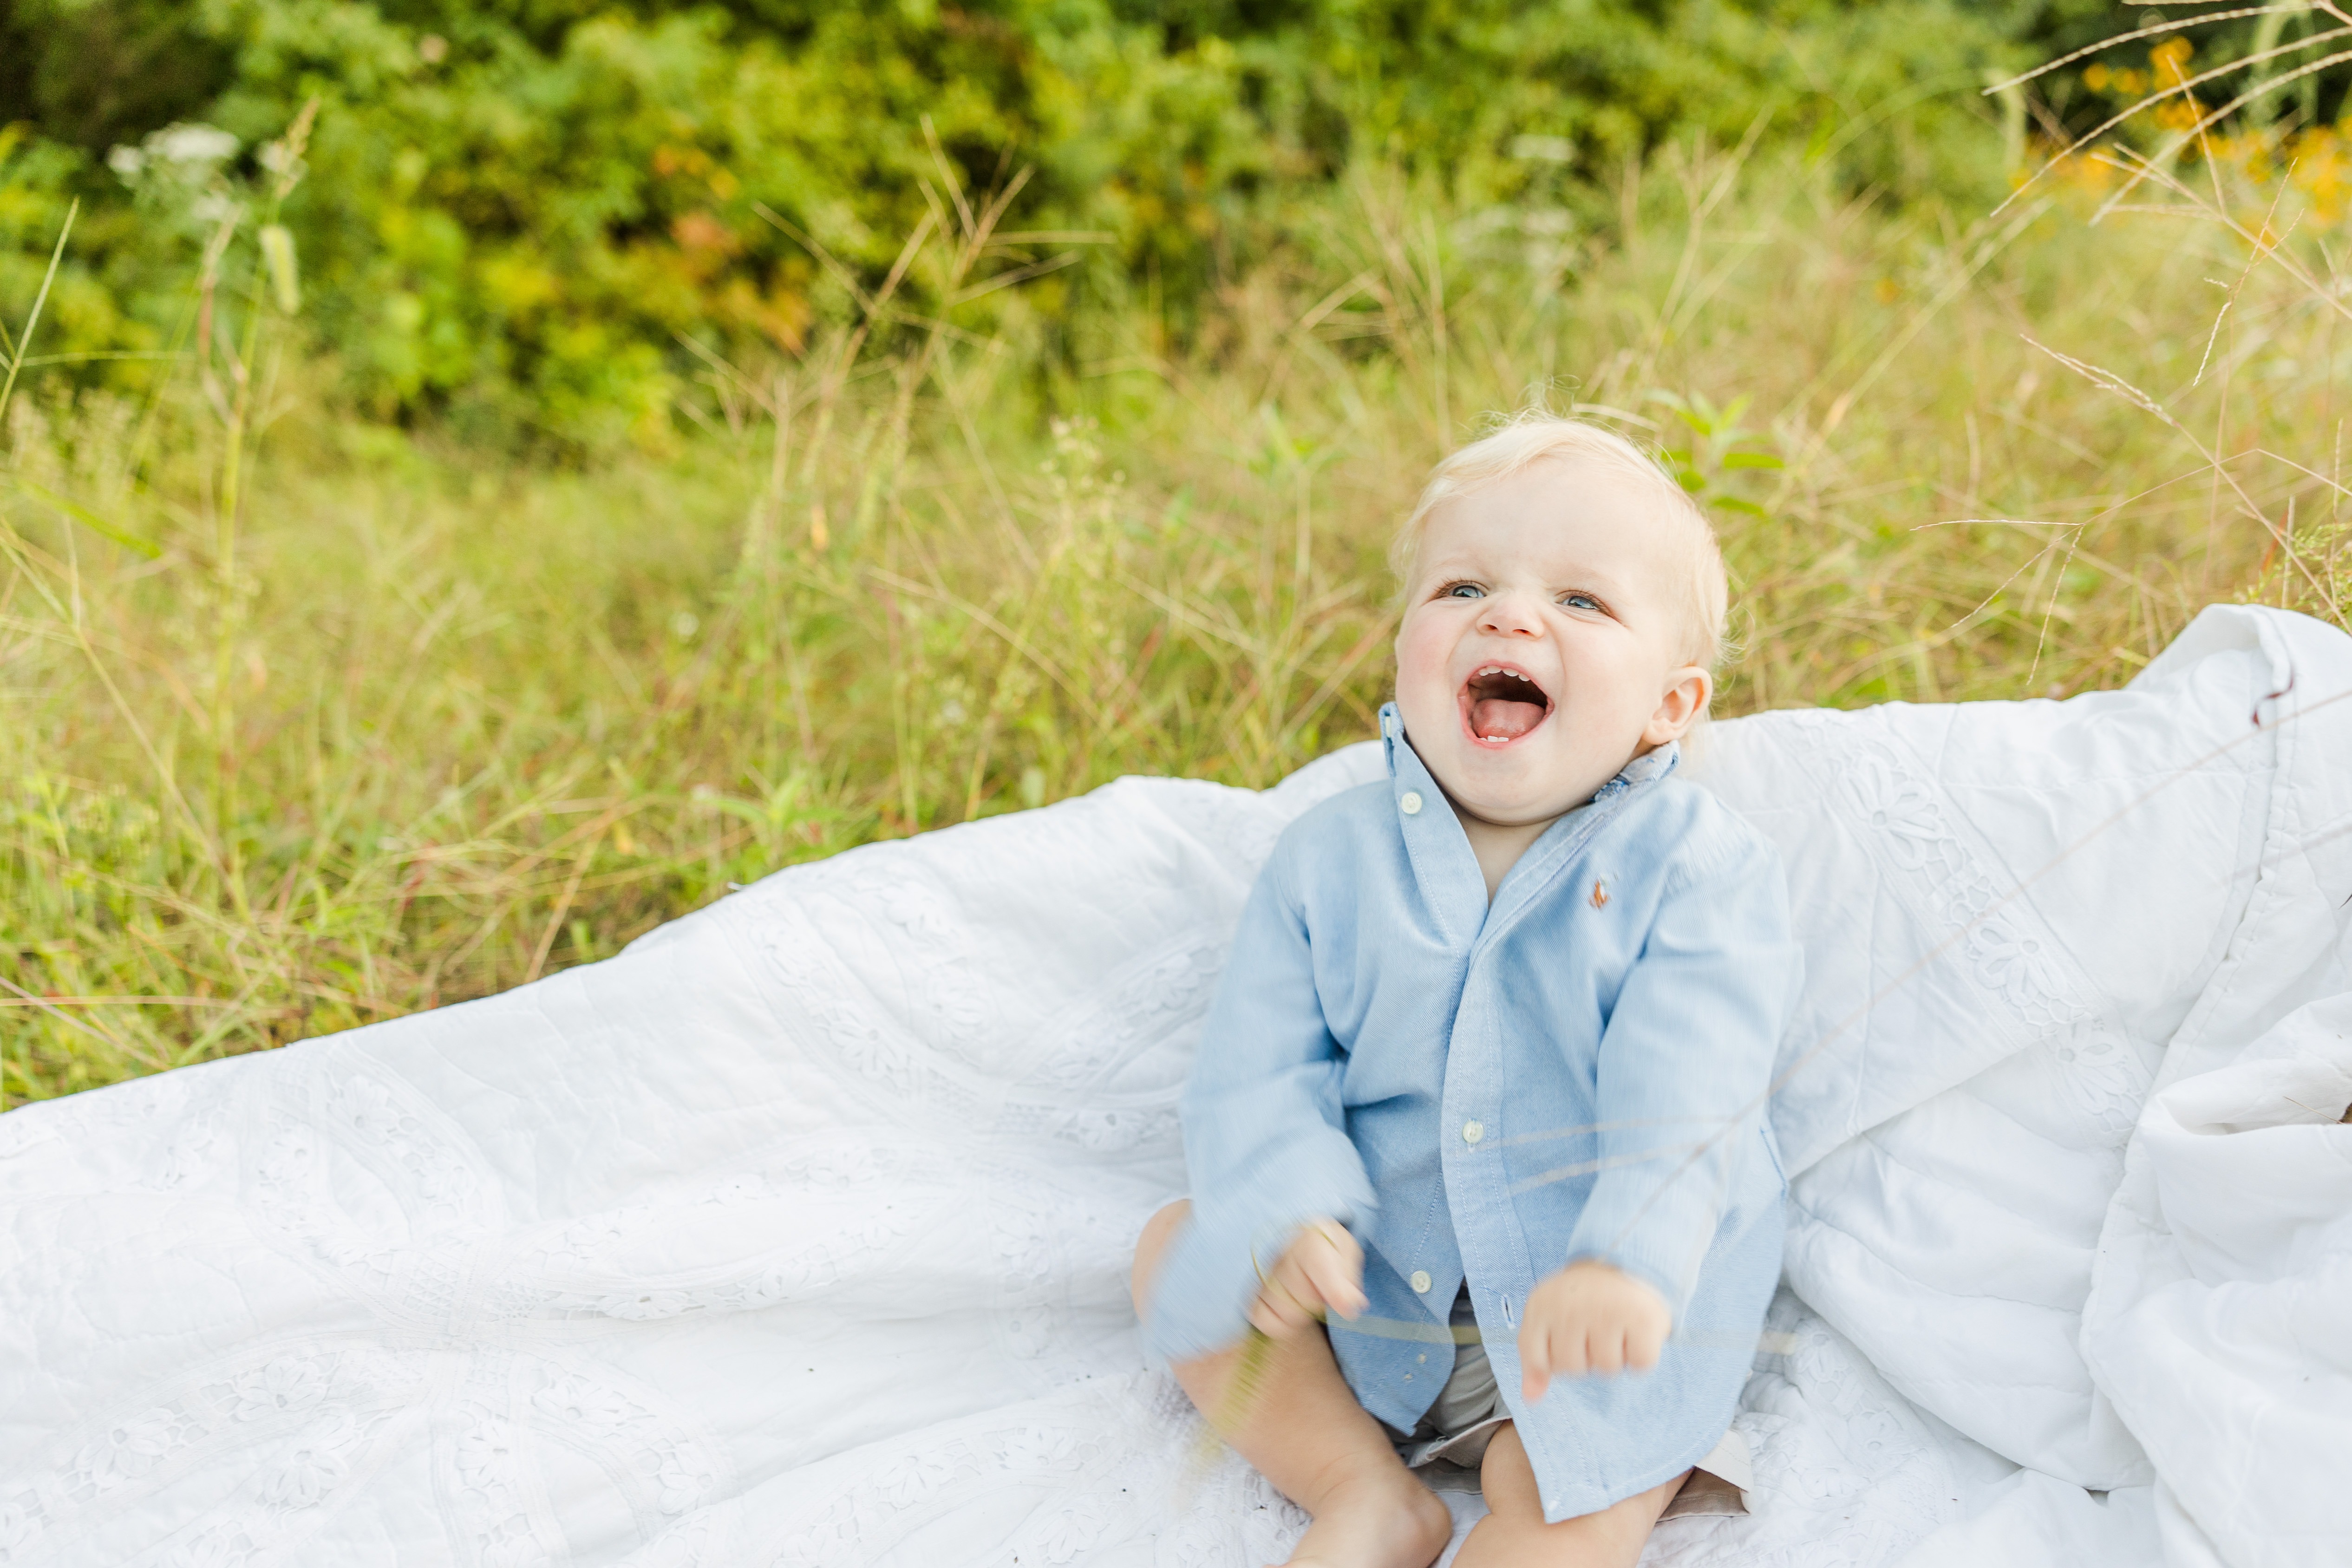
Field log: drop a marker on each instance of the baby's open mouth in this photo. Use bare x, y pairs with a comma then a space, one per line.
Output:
1501, 704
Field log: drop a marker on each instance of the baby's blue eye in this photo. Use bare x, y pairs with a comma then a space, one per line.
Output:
1579, 601
1466, 590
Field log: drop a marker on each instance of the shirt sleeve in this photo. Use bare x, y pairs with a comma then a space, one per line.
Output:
1685, 1068
1265, 1140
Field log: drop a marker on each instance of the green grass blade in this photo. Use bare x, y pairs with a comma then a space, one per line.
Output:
25, 339
99, 525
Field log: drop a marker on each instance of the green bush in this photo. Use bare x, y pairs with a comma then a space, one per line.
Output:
515, 216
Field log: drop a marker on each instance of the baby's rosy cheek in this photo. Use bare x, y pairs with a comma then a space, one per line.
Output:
1420, 653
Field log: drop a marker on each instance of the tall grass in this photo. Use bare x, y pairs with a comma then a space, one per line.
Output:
309, 722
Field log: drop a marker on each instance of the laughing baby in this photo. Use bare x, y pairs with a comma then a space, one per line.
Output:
1476, 1132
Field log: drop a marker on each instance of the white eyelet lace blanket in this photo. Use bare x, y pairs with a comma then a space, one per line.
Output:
798, 1234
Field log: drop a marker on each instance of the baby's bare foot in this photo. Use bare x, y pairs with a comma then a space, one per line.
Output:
1382, 1522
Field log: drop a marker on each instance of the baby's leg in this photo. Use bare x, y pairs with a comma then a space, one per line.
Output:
1305, 1433
1514, 1535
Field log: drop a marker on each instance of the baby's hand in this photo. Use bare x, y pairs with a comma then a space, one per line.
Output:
1323, 1270
1590, 1317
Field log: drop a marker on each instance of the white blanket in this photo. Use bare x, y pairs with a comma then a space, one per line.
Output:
798, 1233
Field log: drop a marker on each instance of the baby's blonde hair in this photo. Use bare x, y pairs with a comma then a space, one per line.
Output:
1533, 435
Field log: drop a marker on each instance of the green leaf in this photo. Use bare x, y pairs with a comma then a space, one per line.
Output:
1732, 503
1752, 460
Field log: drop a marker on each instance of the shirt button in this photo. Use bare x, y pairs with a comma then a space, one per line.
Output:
1419, 1280
1410, 801
1473, 1131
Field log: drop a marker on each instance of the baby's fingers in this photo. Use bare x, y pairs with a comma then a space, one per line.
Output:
1334, 1266
1535, 1362
1608, 1352
1277, 1311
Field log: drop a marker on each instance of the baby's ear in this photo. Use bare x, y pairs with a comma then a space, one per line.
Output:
1689, 691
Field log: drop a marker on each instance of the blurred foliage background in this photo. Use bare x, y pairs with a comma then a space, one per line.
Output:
477, 482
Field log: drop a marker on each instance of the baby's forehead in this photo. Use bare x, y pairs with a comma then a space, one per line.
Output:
1561, 510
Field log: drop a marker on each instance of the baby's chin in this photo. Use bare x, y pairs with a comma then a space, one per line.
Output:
1516, 788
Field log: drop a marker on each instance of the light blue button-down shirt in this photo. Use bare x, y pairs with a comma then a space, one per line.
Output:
1490, 1092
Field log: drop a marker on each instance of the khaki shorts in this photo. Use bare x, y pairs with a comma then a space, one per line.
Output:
1451, 1439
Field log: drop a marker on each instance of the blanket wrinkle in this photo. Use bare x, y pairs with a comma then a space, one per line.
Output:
797, 1233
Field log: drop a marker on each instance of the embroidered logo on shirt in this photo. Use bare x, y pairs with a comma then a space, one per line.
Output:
1599, 892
